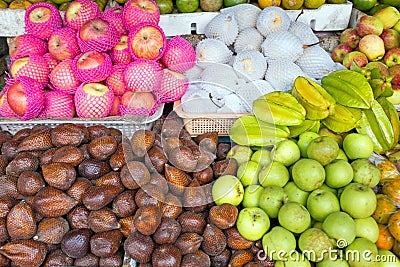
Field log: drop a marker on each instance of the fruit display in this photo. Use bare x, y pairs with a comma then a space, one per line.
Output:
244, 54
58, 4
94, 64
373, 43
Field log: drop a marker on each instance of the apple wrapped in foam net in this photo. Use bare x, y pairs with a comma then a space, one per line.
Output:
58, 104
138, 104
39, 28
26, 45
96, 74
179, 55
132, 15
35, 68
62, 34
5, 109
116, 80
114, 15
173, 86
62, 77
95, 104
142, 76
88, 10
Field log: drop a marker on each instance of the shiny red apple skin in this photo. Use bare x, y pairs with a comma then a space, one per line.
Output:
89, 60
356, 56
63, 44
369, 25
340, 51
16, 98
349, 36
391, 38
392, 57
147, 41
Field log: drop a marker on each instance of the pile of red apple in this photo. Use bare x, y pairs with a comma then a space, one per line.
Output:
94, 64
374, 39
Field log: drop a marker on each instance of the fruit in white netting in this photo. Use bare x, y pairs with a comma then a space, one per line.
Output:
248, 39
222, 27
281, 74
217, 75
282, 45
250, 91
246, 15
210, 51
251, 64
196, 100
304, 32
193, 73
272, 19
316, 62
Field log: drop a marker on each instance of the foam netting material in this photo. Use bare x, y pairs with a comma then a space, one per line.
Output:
103, 43
90, 106
179, 55
223, 27
114, 15
66, 34
132, 16
280, 82
142, 75
282, 45
304, 32
97, 74
36, 68
88, 10
58, 104
210, 51
316, 62
62, 77
246, 15
150, 53
248, 39
42, 30
51, 61
115, 81
251, 64
121, 56
272, 19
127, 110
28, 44
217, 75
172, 88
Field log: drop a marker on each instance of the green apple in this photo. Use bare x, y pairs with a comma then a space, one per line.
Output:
308, 174
340, 227
320, 203
242, 154
339, 173
252, 195
274, 174
187, 6
335, 262
252, 223
248, 173
277, 241
362, 253
358, 146
317, 225
328, 188
365, 172
315, 244
342, 155
295, 194
323, 149
295, 259
358, 200
165, 6
294, 217
388, 259
262, 156
287, 152
304, 140
367, 228
271, 200
227, 189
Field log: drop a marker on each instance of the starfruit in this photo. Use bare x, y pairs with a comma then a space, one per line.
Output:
315, 99
349, 88
343, 119
279, 108
392, 115
382, 86
305, 126
375, 123
249, 131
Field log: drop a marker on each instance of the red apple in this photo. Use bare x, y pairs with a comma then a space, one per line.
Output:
93, 100
147, 41
63, 78
390, 38
51, 61
349, 36
340, 51
369, 25
63, 44
80, 11
392, 57
115, 16
92, 66
173, 86
33, 66
5, 109
395, 72
139, 11
16, 98
90, 60
356, 56
120, 52
116, 80
115, 108
97, 35
41, 19
377, 64
372, 46
25, 45
138, 103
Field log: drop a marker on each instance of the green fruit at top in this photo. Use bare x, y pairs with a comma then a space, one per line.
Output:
211, 5
262, 156
248, 173
304, 140
59, 2
395, 3
376, 8
227, 189
308, 174
364, 5
228, 3
286, 152
165, 6
323, 149
242, 154
358, 146
336, 1
187, 6
252, 195
294, 217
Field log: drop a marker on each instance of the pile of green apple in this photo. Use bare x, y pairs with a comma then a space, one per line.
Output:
308, 199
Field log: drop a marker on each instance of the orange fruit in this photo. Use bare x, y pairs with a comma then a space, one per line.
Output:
266, 3
394, 225
384, 208
385, 240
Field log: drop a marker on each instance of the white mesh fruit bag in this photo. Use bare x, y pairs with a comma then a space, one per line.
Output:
146, 109
194, 73
251, 64
304, 32
26, 45
216, 75
210, 51
142, 75
179, 54
133, 14
222, 27
33, 20
281, 74
272, 19
245, 14
282, 45
103, 43
58, 104
173, 86
34, 92
114, 16
93, 105
139, 49
250, 91
233, 104
62, 77
88, 10
72, 46
36, 67
316, 62
116, 80
248, 39
197, 100
89, 73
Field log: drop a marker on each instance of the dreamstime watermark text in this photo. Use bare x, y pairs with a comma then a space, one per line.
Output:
333, 254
